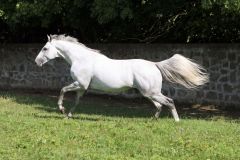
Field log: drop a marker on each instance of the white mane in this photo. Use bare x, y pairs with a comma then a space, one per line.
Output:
63, 37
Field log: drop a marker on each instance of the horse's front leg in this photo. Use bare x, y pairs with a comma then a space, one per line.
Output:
72, 87
78, 95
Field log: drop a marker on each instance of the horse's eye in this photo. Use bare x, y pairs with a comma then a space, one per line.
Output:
44, 49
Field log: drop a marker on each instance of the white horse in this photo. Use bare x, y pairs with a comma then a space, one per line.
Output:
91, 69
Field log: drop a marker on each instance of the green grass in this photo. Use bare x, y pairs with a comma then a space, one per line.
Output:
31, 128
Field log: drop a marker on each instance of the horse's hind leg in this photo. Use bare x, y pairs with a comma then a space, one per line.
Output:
78, 95
159, 108
157, 103
167, 102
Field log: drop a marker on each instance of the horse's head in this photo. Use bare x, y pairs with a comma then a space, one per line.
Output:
47, 53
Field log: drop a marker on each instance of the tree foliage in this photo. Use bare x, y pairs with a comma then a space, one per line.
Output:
144, 21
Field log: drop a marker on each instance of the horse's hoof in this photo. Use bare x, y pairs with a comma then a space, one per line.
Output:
70, 115
177, 120
62, 111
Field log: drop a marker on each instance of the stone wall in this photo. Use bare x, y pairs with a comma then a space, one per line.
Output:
18, 69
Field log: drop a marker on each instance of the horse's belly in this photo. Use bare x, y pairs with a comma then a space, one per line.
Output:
108, 85
112, 76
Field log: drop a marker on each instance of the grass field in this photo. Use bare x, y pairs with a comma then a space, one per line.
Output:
103, 128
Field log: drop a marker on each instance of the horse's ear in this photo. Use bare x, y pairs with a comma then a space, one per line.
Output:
49, 38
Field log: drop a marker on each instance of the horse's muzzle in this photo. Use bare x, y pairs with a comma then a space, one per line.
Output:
39, 61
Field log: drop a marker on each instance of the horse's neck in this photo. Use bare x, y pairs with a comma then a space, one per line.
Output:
72, 52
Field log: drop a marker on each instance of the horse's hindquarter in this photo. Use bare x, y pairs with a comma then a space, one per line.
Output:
147, 77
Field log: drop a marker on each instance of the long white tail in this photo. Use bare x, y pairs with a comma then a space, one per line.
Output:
182, 70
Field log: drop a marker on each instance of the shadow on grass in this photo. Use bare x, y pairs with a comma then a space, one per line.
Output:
89, 104
117, 107
60, 116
